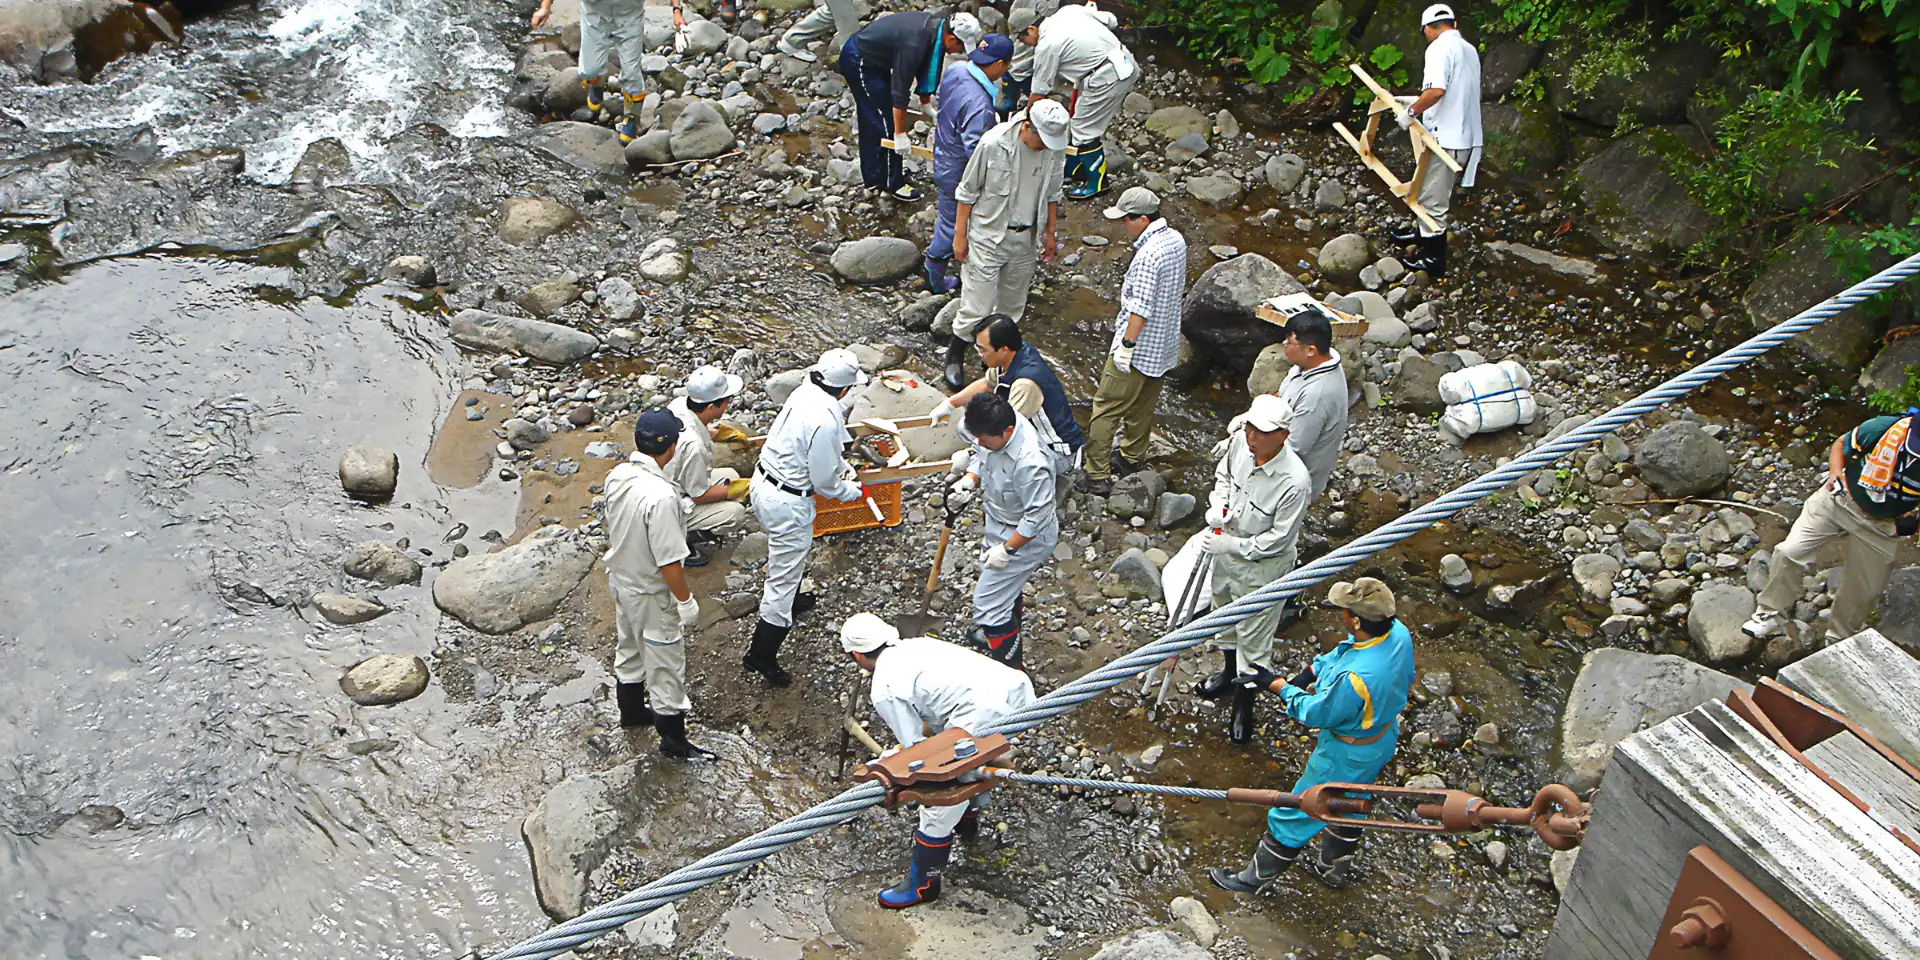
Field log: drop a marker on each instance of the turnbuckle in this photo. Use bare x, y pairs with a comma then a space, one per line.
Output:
1557, 814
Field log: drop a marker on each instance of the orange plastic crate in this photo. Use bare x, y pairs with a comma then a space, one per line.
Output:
833, 516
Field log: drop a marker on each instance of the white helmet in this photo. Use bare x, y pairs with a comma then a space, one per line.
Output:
865, 633
839, 368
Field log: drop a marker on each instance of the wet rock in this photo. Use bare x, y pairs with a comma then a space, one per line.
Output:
1187, 147
1656, 93
739, 107
1526, 141
1269, 370
1570, 266
1617, 694
1192, 915
384, 679
380, 563
781, 385
1218, 191
918, 316
1805, 271
1496, 851
1417, 387
547, 342
769, 123
657, 930
1487, 735
1329, 195
1133, 570
1594, 573
92, 819
1888, 371
1670, 590
619, 301
1137, 105
1455, 573
705, 37
1152, 945
1680, 460
1634, 204
876, 399
1218, 314
564, 93
410, 269
369, 473
584, 146
346, 610
1226, 125
700, 132
1174, 507
653, 148
1136, 494
525, 221
1900, 609
1343, 257
548, 297
521, 584
1787, 647
1284, 171
1174, 122
1714, 616
876, 260
571, 832
524, 434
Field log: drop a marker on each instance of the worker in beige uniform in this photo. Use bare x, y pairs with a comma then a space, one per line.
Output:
715, 500
653, 607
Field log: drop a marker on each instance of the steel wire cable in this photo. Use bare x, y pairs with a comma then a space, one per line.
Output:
849, 803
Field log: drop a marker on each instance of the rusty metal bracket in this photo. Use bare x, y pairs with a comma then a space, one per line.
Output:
930, 772
1796, 724
1557, 814
1716, 912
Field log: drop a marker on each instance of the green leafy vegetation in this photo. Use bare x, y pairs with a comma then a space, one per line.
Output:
1901, 399
1755, 138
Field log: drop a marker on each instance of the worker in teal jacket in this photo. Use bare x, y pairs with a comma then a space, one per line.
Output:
1353, 694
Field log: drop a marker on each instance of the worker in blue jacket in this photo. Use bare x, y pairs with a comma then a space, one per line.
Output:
1353, 694
887, 63
967, 93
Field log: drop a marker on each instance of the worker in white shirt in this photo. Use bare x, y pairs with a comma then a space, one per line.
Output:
1076, 48
1449, 107
803, 456
1013, 474
1259, 495
1006, 222
653, 608
921, 684
714, 499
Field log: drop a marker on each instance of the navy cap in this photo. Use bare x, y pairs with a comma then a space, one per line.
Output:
656, 431
993, 47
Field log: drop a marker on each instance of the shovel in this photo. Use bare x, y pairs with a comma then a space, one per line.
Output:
921, 624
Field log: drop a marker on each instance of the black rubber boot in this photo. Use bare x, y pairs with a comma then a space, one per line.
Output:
955, 374
1432, 257
763, 654
673, 738
1334, 864
923, 873
802, 602
632, 697
1216, 686
969, 826
1270, 860
1410, 235
695, 557
1240, 727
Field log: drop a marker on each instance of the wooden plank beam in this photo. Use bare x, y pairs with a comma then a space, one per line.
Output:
1414, 128
1893, 795
1867, 679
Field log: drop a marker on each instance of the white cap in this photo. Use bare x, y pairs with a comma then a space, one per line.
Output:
1049, 119
710, 383
840, 368
965, 27
1269, 413
1438, 11
865, 633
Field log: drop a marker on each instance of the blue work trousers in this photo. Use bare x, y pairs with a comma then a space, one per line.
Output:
941, 247
873, 107
1333, 761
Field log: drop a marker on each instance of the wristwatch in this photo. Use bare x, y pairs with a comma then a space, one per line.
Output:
1125, 342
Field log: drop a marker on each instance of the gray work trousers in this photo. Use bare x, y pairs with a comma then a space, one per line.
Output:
1233, 578
609, 26
998, 590
996, 278
1436, 191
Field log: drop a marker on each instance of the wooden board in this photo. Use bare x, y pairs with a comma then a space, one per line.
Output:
925, 153
1893, 795
1706, 777
1867, 679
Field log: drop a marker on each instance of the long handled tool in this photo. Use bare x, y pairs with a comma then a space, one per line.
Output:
1183, 611
922, 623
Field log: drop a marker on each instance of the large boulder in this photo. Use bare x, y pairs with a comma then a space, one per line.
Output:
705, 37
1216, 190
380, 563
346, 610
1655, 95
1900, 609
1636, 206
876, 260
1617, 694
699, 132
520, 584
651, 149
1417, 386
1393, 23
563, 93
1714, 616
547, 342
1218, 313
876, 399
369, 473
1680, 460
1891, 365
1804, 273
1175, 122
1158, 944
583, 146
1502, 64
1271, 368
1525, 142
385, 679
526, 221
1343, 257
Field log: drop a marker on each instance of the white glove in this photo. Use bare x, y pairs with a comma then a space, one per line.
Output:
963, 491
688, 610
1123, 359
679, 41
1217, 518
1223, 544
941, 413
902, 145
996, 557
1403, 120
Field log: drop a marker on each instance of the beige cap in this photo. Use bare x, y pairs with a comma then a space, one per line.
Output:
1050, 120
1269, 413
1020, 19
1367, 598
1134, 202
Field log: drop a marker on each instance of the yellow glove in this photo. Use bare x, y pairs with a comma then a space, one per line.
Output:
724, 432
737, 489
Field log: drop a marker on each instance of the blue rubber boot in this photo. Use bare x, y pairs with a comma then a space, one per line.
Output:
629, 127
923, 873
596, 97
937, 279
1092, 172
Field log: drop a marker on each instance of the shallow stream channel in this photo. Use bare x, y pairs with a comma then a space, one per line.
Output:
194, 326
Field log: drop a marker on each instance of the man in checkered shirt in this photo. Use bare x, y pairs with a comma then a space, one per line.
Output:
1146, 341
